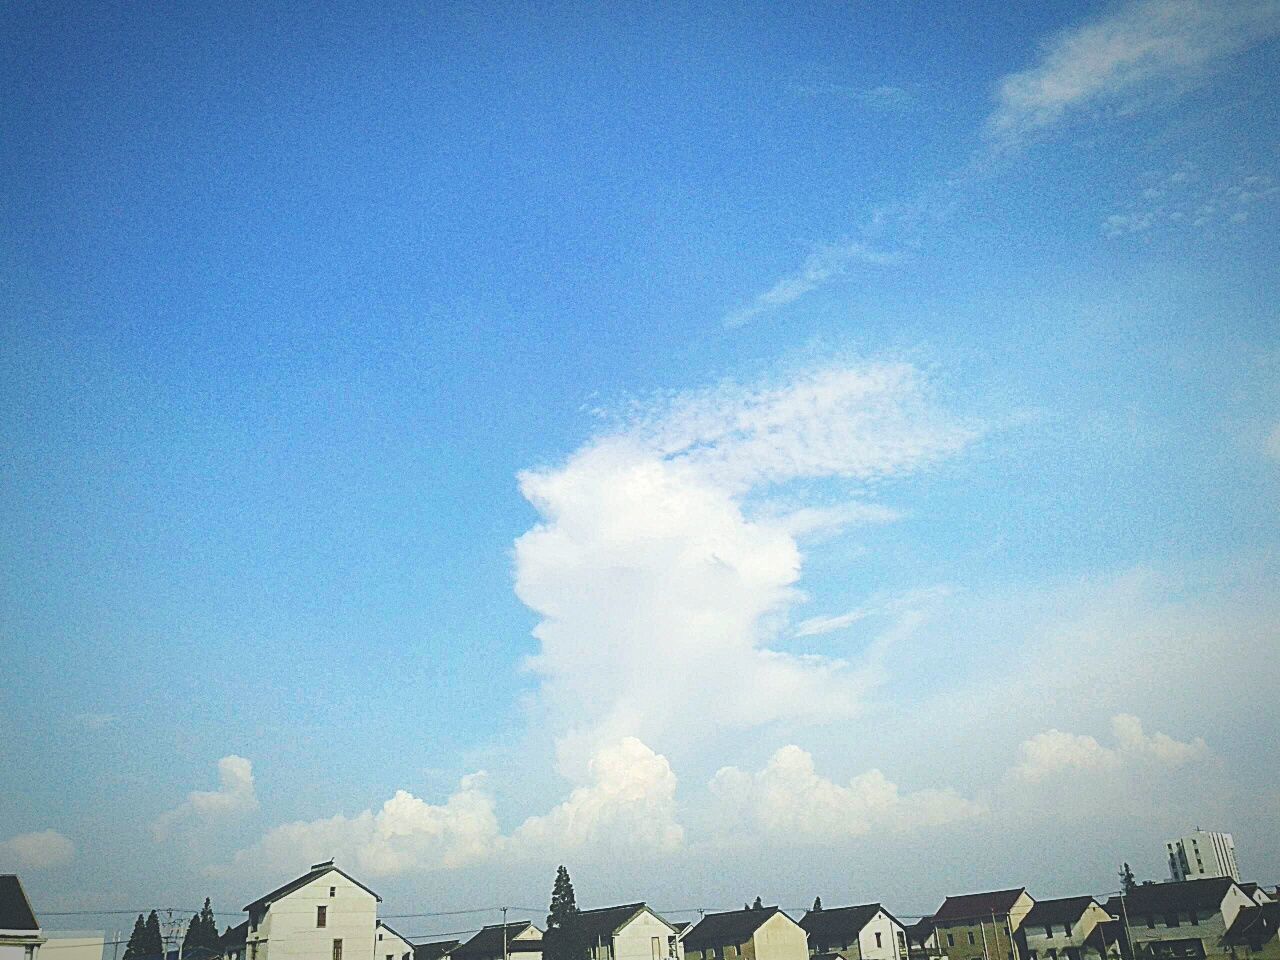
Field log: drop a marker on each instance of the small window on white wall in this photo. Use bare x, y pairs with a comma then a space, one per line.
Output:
878, 943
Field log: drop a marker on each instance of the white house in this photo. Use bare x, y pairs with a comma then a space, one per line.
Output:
391, 945
630, 931
324, 914
497, 941
763, 933
865, 932
20, 934
1179, 921
1067, 928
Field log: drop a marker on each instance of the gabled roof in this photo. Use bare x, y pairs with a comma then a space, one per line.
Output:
1206, 894
1260, 923
15, 909
317, 871
1062, 910
234, 936
973, 906
681, 926
603, 922
434, 950
732, 926
838, 924
920, 931
386, 926
488, 942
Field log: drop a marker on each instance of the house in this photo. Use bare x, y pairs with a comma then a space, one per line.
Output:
1255, 933
982, 926
497, 941
1184, 920
390, 945
233, 941
1257, 893
436, 950
325, 914
866, 932
630, 931
763, 933
922, 940
73, 944
1066, 929
20, 935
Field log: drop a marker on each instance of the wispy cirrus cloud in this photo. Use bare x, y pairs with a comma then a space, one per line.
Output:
1126, 54
822, 266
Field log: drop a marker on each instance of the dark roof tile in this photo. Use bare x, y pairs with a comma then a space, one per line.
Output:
838, 924
317, 870
732, 926
1206, 894
15, 909
1062, 910
972, 906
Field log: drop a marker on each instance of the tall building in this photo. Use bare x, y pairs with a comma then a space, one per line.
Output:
1204, 853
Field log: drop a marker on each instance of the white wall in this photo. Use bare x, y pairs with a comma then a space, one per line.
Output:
389, 946
289, 928
635, 940
882, 924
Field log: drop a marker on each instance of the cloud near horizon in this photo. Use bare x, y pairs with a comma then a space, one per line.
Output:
1054, 752
41, 850
789, 798
235, 795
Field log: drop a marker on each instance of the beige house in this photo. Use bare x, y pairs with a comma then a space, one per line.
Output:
1069, 928
325, 914
866, 932
764, 933
20, 934
982, 926
497, 941
1255, 934
630, 931
1184, 920
390, 945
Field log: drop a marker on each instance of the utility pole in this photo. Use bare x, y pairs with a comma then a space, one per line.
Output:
505, 954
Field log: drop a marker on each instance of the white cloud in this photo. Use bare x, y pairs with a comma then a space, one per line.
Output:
235, 795
823, 265
407, 834
657, 590
1054, 752
789, 797
36, 851
629, 805
1141, 45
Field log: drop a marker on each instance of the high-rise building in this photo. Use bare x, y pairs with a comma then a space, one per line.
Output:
1204, 853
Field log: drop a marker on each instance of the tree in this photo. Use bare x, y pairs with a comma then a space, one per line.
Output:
564, 939
1127, 881
757, 905
201, 940
152, 941
133, 951
817, 904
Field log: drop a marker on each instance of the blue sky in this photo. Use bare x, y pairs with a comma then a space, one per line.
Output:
858, 421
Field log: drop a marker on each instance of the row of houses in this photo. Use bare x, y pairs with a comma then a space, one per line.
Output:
326, 914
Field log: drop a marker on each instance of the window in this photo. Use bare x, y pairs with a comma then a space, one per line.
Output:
337, 950
253, 950
878, 943
322, 916
379, 938
655, 948
951, 941
971, 940
1048, 930
333, 891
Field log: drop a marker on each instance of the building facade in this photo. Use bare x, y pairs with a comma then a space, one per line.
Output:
1202, 854
322, 915
982, 926
1070, 928
1179, 921
865, 932
630, 931
764, 933
20, 934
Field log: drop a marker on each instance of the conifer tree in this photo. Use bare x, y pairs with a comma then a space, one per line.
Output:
757, 905
817, 904
152, 941
563, 939
133, 950
1128, 883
